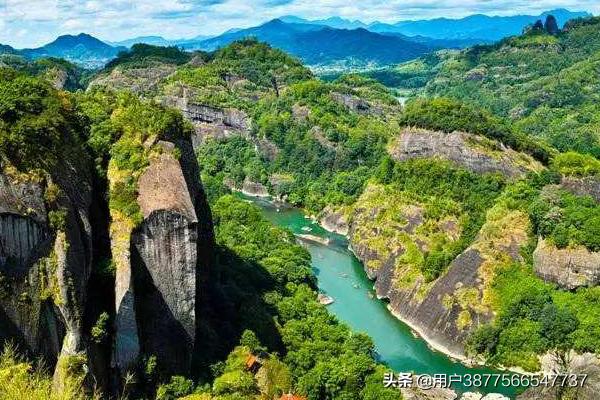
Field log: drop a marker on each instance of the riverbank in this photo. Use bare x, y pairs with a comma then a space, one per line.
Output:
342, 276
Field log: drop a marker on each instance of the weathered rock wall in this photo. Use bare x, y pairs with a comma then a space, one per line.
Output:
472, 152
446, 310
588, 186
167, 265
45, 269
570, 268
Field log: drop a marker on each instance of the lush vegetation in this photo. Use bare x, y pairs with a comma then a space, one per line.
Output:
144, 55
267, 282
236, 74
332, 156
324, 145
534, 317
19, 380
543, 83
447, 115
566, 219
36, 119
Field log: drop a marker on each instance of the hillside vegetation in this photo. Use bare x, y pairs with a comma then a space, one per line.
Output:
444, 184
543, 84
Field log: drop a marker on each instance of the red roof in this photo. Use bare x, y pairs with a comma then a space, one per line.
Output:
251, 361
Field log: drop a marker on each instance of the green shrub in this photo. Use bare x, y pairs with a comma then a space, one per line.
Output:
178, 387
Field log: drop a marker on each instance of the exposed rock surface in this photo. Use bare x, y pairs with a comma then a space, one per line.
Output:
472, 152
355, 103
414, 393
300, 113
580, 364
588, 186
211, 122
255, 189
570, 268
44, 270
159, 291
142, 81
447, 309
334, 221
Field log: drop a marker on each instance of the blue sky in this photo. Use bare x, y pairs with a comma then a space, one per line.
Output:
30, 23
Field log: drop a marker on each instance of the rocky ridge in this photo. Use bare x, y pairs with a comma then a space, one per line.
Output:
475, 153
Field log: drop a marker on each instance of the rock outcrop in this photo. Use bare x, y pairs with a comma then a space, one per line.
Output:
334, 221
587, 186
586, 365
211, 122
143, 81
445, 310
161, 274
570, 268
45, 259
475, 153
356, 104
254, 189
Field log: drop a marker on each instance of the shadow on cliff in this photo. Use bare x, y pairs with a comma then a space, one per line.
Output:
234, 302
160, 331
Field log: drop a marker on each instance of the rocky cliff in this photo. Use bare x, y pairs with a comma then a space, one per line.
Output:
208, 121
45, 260
445, 310
570, 268
164, 263
475, 153
586, 186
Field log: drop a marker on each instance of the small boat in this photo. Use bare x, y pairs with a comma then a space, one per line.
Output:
344, 275
356, 286
371, 295
324, 299
306, 228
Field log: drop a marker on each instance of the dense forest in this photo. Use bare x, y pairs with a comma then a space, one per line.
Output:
521, 115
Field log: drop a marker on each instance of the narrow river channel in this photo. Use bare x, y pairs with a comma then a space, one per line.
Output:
341, 276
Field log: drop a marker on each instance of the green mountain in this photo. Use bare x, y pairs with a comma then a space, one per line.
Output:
542, 83
135, 269
82, 49
318, 45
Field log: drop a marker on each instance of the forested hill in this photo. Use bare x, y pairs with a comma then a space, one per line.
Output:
544, 82
320, 45
483, 236
425, 192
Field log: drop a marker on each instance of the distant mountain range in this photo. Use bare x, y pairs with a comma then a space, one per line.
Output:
156, 41
331, 41
82, 49
321, 45
474, 27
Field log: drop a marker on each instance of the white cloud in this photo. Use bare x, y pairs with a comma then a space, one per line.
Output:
43, 20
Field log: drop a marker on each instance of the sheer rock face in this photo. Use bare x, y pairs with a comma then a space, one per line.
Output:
169, 259
475, 153
334, 221
446, 310
43, 271
211, 122
569, 268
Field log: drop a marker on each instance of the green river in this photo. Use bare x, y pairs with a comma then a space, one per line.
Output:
341, 276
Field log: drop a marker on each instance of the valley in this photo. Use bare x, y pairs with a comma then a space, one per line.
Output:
162, 216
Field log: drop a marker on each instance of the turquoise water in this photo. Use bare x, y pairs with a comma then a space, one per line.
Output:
341, 276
